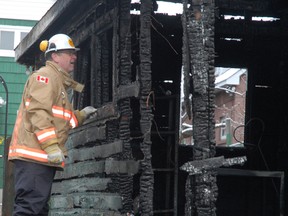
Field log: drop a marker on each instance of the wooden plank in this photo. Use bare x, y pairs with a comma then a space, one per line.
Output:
243, 5
80, 185
115, 166
86, 134
86, 212
101, 151
125, 91
105, 113
92, 167
83, 31
87, 200
81, 169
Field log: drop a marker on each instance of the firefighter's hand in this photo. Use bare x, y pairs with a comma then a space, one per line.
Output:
88, 111
55, 154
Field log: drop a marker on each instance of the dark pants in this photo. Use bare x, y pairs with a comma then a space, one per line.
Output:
33, 184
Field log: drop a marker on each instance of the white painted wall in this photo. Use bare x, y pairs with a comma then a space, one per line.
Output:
24, 9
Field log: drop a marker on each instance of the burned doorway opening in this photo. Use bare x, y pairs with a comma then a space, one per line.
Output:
166, 42
166, 54
166, 76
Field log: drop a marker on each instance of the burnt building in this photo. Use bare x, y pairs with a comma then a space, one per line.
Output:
128, 158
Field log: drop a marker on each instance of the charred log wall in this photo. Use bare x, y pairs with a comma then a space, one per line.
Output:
99, 174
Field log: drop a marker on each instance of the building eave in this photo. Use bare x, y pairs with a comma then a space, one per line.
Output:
29, 46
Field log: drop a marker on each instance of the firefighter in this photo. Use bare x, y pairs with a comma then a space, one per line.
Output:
44, 119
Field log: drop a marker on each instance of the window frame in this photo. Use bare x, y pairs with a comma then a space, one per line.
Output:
17, 37
223, 132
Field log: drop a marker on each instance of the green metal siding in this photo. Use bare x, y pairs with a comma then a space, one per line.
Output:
15, 77
17, 22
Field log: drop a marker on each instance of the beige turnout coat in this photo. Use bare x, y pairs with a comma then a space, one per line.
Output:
45, 115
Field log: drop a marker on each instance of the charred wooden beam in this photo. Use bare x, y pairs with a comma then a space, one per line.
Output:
86, 212
198, 27
126, 91
242, 5
231, 28
90, 14
86, 134
199, 62
104, 113
202, 166
123, 165
205, 170
94, 152
128, 167
87, 200
147, 175
87, 168
81, 185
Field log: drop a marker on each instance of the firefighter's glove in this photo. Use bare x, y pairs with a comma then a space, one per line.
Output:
89, 111
55, 154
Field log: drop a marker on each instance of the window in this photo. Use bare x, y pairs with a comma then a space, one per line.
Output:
10, 37
230, 105
23, 35
223, 128
7, 40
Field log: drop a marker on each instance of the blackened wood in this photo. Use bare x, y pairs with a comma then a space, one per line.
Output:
94, 152
199, 60
201, 166
244, 5
80, 185
128, 167
87, 133
81, 169
86, 212
87, 200
130, 90
147, 175
125, 180
87, 168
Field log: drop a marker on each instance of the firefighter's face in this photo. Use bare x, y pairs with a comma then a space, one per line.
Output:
66, 59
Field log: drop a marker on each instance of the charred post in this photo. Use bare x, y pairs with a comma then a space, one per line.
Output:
198, 57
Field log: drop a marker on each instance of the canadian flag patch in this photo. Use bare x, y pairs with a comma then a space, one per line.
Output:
42, 79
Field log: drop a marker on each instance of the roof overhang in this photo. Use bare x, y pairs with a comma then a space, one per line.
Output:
28, 48
54, 21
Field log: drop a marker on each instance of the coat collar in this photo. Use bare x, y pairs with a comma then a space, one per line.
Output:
67, 80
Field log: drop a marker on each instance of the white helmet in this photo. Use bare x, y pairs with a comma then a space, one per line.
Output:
57, 42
